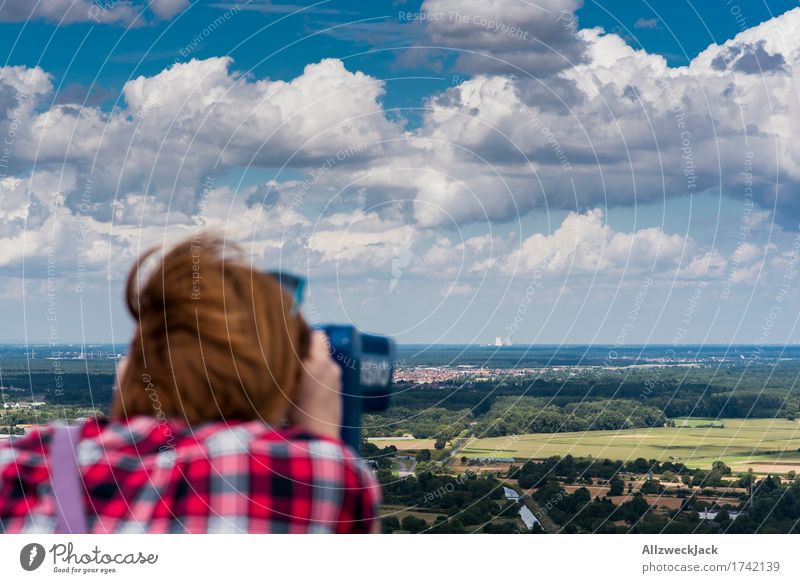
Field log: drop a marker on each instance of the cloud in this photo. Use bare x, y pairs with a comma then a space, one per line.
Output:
122, 12
196, 119
20, 86
620, 128
750, 58
579, 249
78, 94
646, 23
535, 38
166, 9
33, 229
77, 249
583, 243
360, 240
150, 165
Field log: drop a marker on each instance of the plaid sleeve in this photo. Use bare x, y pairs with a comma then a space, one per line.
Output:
22, 470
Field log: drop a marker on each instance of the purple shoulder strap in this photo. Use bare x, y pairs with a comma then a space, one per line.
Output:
66, 479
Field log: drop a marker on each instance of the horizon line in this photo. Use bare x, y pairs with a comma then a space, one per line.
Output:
472, 344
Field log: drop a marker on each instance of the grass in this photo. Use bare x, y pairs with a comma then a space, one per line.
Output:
763, 444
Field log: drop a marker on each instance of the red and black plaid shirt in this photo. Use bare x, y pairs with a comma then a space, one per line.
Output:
146, 475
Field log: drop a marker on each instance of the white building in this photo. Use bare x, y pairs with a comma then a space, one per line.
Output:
707, 514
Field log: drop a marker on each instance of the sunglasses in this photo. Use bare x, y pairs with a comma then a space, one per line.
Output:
294, 285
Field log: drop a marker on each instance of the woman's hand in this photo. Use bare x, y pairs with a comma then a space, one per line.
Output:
318, 399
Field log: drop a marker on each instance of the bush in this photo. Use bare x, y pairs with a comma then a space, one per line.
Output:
389, 524
413, 524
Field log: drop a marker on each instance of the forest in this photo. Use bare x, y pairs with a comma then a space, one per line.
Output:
590, 399
550, 401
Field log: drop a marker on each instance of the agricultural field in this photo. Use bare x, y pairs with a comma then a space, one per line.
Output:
765, 445
402, 443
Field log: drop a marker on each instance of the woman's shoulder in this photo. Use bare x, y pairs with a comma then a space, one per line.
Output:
292, 443
221, 438
293, 449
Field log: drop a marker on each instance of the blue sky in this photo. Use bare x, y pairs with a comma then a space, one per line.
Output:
560, 171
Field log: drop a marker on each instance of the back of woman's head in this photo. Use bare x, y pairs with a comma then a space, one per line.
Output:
214, 338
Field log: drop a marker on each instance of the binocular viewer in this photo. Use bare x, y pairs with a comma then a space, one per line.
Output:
367, 363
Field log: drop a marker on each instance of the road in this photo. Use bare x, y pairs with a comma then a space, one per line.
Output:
405, 465
460, 443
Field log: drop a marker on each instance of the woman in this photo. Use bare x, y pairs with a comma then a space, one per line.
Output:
225, 419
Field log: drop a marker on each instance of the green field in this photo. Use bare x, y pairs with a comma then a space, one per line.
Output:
766, 445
